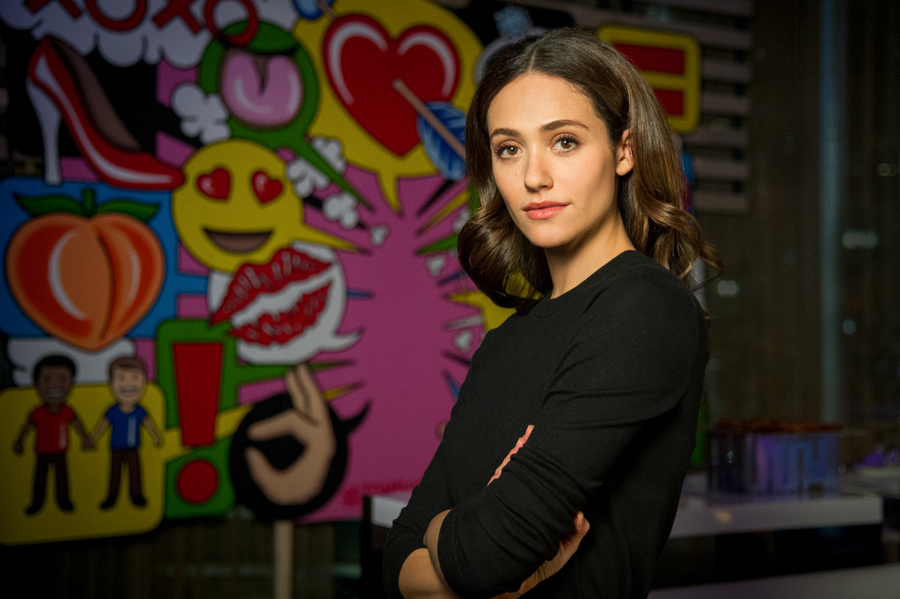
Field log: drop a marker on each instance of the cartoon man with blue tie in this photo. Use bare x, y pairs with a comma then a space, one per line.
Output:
127, 381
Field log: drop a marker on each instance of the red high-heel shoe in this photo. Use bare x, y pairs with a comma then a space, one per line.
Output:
60, 82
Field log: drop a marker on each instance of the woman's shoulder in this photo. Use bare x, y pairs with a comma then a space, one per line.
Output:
631, 285
635, 277
640, 290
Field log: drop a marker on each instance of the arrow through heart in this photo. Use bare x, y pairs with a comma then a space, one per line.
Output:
362, 61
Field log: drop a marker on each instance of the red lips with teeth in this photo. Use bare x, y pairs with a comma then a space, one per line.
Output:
287, 325
286, 267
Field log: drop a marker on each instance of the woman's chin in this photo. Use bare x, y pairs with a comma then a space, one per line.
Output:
546, 238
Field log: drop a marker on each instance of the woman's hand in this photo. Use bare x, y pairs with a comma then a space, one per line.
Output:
567, 548
421, 575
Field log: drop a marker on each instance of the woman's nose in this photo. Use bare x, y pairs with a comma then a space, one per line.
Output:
537, 173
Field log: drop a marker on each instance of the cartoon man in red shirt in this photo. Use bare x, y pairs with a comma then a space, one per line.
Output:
53, 378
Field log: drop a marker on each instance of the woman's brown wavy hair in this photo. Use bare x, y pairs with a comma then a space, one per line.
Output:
494, 252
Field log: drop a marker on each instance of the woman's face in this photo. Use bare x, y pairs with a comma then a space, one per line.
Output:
554, 165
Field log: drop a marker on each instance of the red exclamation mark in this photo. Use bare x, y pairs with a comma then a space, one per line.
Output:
198, 376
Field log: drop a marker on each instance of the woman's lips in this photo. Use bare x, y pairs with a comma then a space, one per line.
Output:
543, 210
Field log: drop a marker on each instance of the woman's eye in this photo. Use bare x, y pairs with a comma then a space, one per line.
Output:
507, 151
566, 143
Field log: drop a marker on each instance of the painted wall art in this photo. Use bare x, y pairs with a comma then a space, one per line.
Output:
235, 281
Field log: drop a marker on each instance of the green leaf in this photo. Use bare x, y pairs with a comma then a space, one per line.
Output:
39, 206
474, 200
88, 202
441, 245
139, 210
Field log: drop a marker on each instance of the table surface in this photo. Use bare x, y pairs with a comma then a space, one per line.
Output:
872, 582
702, 513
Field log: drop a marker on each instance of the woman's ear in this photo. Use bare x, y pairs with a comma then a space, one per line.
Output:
624, 157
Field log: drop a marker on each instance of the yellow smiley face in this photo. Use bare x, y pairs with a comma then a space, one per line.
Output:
236, 206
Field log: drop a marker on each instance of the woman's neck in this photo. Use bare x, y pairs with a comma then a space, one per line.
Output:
570, 265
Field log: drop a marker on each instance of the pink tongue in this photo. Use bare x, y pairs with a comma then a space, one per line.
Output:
264, 103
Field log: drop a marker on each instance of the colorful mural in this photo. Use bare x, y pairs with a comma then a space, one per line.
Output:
236, 281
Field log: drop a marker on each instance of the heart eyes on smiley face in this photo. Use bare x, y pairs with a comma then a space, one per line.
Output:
265, 188
217, 185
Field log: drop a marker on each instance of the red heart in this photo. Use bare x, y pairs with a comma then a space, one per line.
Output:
265, 188
216, 184
362, 61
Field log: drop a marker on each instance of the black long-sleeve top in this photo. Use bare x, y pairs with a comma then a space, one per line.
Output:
611, 374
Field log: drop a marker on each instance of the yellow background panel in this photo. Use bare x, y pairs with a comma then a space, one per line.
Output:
689, 83
333, 120
88, 473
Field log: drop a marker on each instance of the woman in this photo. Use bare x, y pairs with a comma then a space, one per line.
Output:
561, 467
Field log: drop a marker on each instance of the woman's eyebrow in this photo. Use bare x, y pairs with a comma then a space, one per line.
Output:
502, 131
553, 125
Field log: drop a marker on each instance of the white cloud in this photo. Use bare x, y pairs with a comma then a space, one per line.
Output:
306, 177
436, 264
332, 151
202, 115
460, 220
463, 341
90, 367
379, 234
175, 40
341, 207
